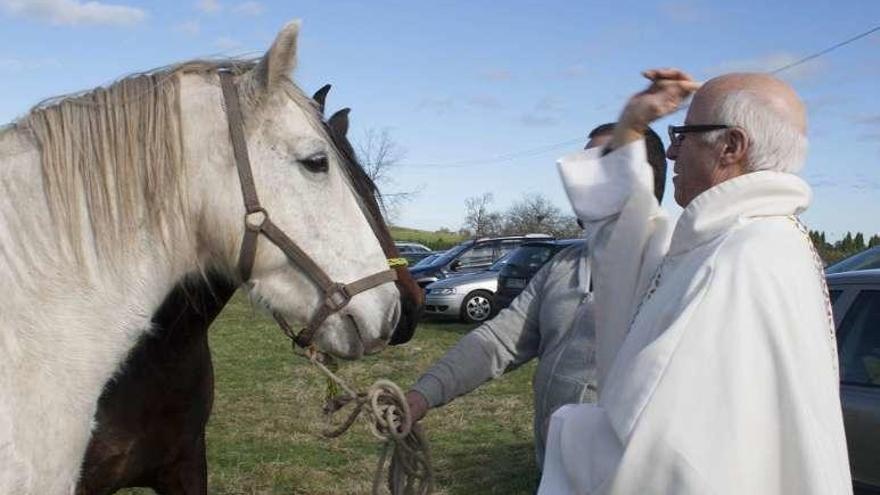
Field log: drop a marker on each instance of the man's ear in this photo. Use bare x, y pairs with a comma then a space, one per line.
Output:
736, 147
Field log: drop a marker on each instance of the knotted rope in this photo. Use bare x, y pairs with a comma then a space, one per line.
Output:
410, 471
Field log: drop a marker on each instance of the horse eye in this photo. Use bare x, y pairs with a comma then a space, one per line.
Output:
316, 163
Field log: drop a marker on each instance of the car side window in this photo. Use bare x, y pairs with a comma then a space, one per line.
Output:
477, 257
507, 246
860, 344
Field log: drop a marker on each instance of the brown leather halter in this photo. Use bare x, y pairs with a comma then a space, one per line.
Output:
256, 221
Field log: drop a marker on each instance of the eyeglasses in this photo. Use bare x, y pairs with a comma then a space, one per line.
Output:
677, 132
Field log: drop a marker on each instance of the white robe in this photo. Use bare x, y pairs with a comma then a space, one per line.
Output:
716, 353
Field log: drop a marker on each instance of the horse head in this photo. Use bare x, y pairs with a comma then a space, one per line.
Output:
308, 233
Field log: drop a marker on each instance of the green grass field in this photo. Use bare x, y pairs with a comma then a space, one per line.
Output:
263, 434
437, 241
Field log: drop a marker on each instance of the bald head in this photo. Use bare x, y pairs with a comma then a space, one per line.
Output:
768, 91
767, 114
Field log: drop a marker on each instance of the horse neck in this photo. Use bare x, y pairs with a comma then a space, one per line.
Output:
39, 266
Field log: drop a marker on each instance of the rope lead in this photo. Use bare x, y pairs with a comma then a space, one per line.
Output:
410, 471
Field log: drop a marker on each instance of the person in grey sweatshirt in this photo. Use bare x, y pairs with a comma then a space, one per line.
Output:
551, 320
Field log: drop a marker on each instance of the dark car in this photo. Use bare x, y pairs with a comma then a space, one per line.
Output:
525, 263
865, 260
427, 260
413, 252
856, 299
470, 256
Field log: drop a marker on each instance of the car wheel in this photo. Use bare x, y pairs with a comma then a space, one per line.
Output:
477, 307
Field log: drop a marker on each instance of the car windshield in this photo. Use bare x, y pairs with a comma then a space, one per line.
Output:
865, 260
450, 254
427, 260
531, 257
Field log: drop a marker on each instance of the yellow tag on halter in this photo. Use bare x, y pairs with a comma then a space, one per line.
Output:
397, 262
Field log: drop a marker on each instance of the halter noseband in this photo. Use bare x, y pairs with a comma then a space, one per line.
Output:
257, 221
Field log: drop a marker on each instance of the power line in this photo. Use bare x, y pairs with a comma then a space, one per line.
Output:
550, 147
829, 49
499, 158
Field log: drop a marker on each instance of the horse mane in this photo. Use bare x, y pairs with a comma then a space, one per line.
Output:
119, 149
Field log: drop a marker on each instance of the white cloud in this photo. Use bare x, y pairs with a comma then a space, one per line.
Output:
546, 113
227, 43
249, 8
191, 28
575, 71
533, 120
437, 105
496, 74
769, 63
209, 6
75, 12
683, 11
17, 65
872, 120
486, 102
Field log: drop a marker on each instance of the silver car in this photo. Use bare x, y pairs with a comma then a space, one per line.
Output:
469, 297
856, 300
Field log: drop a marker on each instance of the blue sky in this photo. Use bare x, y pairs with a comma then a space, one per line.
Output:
470, 81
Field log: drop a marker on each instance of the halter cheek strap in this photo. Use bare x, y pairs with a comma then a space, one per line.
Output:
256, 221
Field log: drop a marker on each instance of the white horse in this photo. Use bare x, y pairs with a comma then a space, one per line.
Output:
109, 198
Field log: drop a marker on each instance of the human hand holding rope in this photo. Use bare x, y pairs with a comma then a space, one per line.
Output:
390, 420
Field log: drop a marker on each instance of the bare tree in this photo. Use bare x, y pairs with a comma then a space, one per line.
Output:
536, 214
379, 154
478, 219
533, 213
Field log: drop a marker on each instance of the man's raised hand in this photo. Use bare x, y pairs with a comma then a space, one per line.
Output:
668, 89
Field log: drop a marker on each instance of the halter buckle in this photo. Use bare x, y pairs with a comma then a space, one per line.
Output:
256, 224
337, 297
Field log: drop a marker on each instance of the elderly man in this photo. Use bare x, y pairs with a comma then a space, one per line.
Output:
552, 320
715, 344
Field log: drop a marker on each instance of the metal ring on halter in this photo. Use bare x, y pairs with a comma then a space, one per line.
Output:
337, 297
256, 226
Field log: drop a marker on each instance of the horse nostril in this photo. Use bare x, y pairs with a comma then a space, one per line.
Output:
406, 323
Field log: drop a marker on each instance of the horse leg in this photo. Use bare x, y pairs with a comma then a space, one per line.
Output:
188, 475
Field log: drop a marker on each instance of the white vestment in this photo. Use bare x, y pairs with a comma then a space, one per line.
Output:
715, 347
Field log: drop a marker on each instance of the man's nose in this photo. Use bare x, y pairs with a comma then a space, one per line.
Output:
672, 152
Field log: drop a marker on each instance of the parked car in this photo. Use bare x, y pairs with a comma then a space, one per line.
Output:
413, 251
470, 256
856, 300
523, 264
469, 297
427, 260
865, 260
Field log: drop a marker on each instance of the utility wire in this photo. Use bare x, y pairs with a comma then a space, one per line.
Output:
829, 49
550, 147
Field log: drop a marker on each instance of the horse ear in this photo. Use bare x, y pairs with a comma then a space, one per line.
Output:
338, 122
320, 96
280, 60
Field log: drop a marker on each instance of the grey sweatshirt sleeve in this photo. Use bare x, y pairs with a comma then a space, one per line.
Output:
495, 347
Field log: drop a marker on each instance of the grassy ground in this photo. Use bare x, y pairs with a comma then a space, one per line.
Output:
263, 434
434, 240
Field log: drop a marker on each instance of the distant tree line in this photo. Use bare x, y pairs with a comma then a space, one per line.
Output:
533, 214
847, 246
